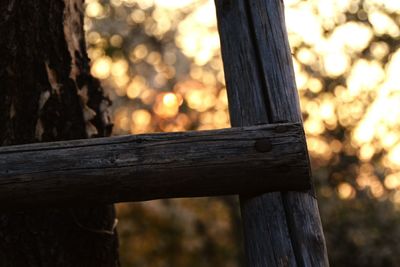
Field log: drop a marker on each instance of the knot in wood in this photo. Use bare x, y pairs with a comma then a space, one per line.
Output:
263, 145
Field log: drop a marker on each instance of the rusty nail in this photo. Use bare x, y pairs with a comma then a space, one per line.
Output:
263, 145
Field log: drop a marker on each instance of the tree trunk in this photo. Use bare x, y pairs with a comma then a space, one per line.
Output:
47, 94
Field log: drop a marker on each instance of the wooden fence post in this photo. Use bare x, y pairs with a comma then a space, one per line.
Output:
281, 229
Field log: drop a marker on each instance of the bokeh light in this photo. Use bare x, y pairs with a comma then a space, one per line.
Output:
160, 63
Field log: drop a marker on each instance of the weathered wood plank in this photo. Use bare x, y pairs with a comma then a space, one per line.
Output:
151, 166
253, 38
266, 235
246, 101
272, 43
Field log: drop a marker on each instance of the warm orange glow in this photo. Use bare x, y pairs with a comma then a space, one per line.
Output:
394, 155
364, 104
141, 120
94, 9
170, 100
160, 63
101, 67
392, 181
167, 105
346, 191
116, 40
140, 51
366, 152
119, 67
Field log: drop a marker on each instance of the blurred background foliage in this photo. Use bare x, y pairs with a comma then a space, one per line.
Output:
160, 63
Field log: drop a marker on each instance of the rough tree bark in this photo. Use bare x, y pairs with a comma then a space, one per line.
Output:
47, 94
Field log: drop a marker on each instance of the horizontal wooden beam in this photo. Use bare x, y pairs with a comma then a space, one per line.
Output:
151, 166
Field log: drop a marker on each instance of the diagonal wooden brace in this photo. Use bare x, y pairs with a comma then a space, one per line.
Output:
245, 160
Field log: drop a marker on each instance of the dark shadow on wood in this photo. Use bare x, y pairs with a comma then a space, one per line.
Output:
246, 160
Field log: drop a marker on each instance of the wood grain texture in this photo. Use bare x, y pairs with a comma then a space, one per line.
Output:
266, 235
151, 166
301, 207
240, 65
254, 38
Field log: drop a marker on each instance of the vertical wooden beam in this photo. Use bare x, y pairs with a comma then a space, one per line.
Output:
281, 229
